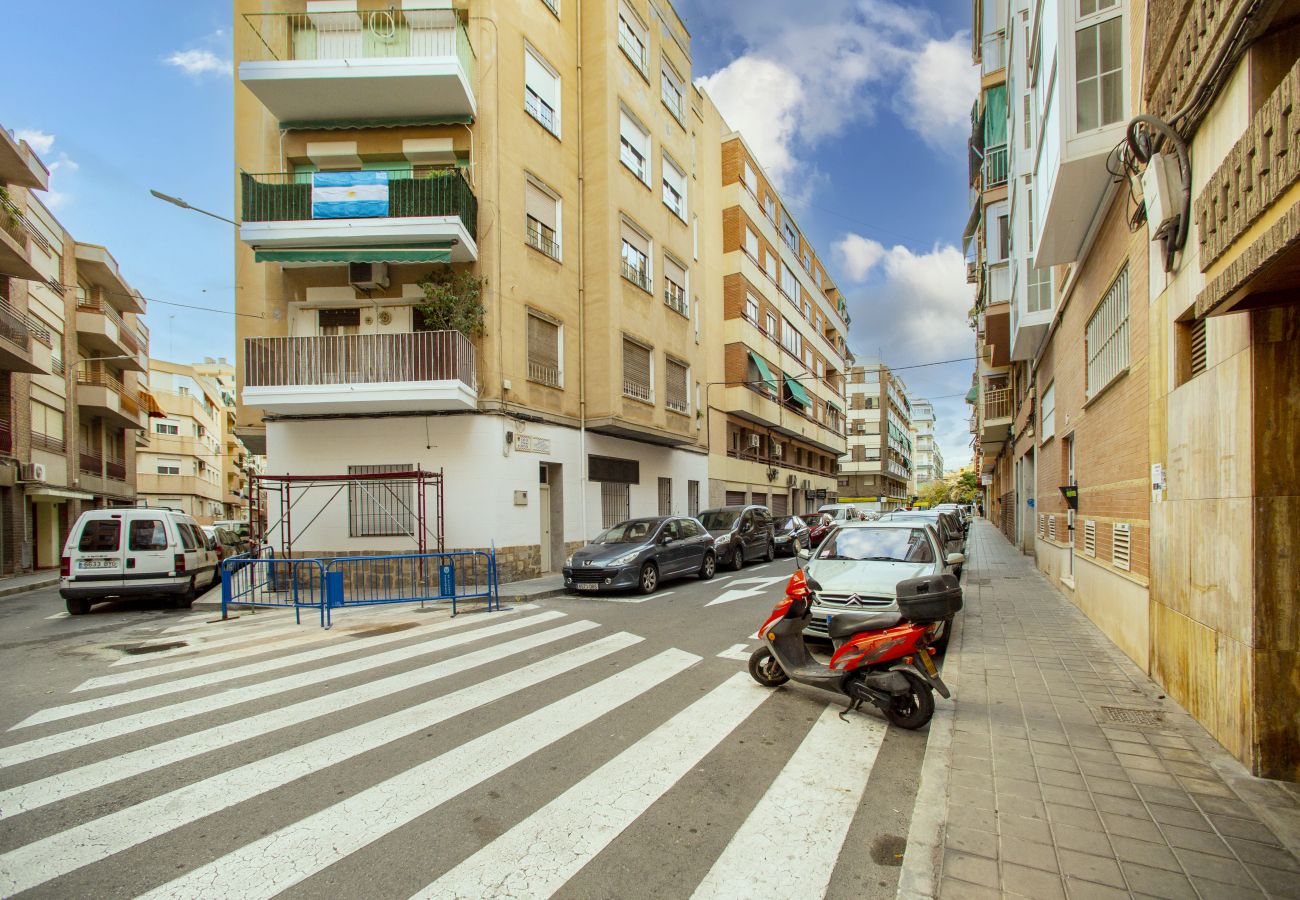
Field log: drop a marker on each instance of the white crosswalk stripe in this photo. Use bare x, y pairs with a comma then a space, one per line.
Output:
144, 653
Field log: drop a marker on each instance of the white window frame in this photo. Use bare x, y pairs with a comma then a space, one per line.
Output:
672, 91
531, 53
650, 386
771, 269
1094, 20
633, 33
749, 178
553, 6
629, 149
685, 407
769, 326
769, 208
789, 284
1106, 344
1047, 413
668, 171
557, 238
625, 245
677, 296
1038, 287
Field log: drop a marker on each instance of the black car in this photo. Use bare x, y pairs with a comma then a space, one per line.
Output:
792, 535
640, 553
740, 533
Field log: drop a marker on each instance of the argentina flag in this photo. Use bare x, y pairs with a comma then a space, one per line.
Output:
349, 195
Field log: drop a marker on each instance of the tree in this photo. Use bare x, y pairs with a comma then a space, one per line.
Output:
932, 493
452, 301
967, 489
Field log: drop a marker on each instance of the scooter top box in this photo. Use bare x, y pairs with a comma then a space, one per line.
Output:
931, 599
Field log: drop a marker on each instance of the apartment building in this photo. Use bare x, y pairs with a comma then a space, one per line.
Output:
184, 465
776, 401
927, 455
71, 349
398, 163
237, 464
1149, 364
876, 470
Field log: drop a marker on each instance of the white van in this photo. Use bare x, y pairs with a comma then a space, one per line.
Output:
135, 552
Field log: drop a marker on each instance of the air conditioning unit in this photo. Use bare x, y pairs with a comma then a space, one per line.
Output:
776, 449
368, 276
755, 441
807, 485
31, 472
791, 481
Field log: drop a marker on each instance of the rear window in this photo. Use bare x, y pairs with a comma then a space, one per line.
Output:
147, 534
100, 536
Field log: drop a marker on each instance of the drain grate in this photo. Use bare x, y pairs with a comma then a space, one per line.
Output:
1123, 715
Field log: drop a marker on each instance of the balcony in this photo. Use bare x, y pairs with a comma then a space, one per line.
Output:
393, 66
101, 328
761, 408
20, 165
360, 373
101, 393
98, 267
24, 344
15, 232
996, 420
996, 162
302, 219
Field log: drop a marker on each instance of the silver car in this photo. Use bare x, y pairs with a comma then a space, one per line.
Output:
859, 564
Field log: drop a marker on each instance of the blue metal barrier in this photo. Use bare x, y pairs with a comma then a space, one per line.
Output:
340, 582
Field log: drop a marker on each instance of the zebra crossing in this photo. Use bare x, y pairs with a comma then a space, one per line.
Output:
367, 736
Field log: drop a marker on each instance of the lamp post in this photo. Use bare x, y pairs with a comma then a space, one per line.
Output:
177, 201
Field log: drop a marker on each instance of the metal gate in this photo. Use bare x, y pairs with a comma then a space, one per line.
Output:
735, 498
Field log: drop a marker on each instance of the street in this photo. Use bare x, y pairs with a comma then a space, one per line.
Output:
577, 746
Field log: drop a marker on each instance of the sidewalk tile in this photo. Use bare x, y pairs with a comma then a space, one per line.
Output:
1176, 815
1129, 827
1089, 890
1276, 882
1158, 883
966, 867
1073, 815
952, 889
968, 840
1212, 890
1067, 796
1253, 853
1082, 839
1249, 829
1214, 868
1033, 883
1027, 853
1201, 841
1156, 855
1090, 867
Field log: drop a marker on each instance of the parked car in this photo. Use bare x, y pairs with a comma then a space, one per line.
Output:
135, 552
792, 535
842, 512
243, 534
958, 511
819, 525
640, 554
740, 533
859, 565
950, 531
224, 541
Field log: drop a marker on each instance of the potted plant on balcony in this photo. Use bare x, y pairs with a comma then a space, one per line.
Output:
452, 302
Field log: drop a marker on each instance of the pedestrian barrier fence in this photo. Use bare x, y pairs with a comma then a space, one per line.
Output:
260, 579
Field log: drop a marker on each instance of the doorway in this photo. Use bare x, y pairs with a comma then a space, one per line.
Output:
550, 512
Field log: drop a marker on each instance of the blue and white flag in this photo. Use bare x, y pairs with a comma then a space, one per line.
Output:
349, 195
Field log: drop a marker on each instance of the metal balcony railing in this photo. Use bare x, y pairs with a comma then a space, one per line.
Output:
638, 276
995, 166
541, 238
18, 226
544, 374
14, 328
675, 297
115, 469
126, 333
94, 377
6, 436
286, 196
997, 404
419, 356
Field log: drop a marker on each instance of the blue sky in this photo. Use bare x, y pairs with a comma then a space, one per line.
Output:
858, 108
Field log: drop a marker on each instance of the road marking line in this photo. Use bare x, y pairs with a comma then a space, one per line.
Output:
640, 599
762, 581
541, 853
268, 866
89, 842
789, 844
36, 794
62, 615
736, 651
89, 734
188, 651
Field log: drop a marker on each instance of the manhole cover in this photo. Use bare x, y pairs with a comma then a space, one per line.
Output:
1123, 715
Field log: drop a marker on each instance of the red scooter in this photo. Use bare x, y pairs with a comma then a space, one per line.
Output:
881, 658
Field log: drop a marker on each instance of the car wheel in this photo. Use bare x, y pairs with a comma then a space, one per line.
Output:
709, 566
649, 579
77, 607
771, 553
186, 600
737, 558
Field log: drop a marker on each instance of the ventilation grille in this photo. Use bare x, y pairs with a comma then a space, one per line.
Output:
1051, 527
1198, 347
1042, 526
1089, 538
1123, 715
1120, 547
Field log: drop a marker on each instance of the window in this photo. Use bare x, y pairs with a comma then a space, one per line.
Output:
634, 146
100, 536
638, 375
1098, 65
675, 286
674, 187
770, 264
633, 37
1029, 205
47, 427
1047, 412
791, 236
751, 308
377, 508
1004, 237
636, 256
1107, 337
666, 498
554, 6
1039, 282
676, 377
751, 179
789, 284
146, 534
542, 219
541, 91
339, 321
168, 467
1026, 116
544, 353
1197, 348
615, 503
673, 93
791, 340
770, 325
751, 244
693, 499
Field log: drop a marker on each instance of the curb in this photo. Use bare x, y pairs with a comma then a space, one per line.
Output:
526, 598
11, 590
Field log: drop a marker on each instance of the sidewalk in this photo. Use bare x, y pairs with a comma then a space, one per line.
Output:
532, 589
1060, 770
21, 584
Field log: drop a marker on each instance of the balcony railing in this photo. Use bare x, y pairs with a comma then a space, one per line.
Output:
418, 356
992, 55
6, 436
14, 328
106, 379
128, 336
995, 166
20, 229
542, 238
544, 374
90, 462
675, 297
115, 469
540, 110
639, 277
997, 404
286, 197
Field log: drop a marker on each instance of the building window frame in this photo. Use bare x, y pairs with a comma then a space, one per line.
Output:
545, 111
538, 234
1106, 337
1093, 20
547, 368
636, 388
632, 153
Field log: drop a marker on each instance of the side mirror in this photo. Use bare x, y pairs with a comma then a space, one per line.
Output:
666, 539
956, 559
805, 554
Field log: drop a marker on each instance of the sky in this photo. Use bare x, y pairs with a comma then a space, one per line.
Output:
857, 109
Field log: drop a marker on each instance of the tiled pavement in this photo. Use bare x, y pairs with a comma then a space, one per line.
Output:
1047, 797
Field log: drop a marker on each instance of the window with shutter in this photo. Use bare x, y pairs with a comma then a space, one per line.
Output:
675, 286
541, 219
1107, 337
751, 243
674, 188
636, 256
633, 37
634, 146
676, 377
543, 350
637, 381
541, 91
673, 92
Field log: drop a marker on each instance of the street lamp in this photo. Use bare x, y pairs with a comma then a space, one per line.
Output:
177, 201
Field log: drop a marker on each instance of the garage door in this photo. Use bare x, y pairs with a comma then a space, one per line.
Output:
735, 498
780, 506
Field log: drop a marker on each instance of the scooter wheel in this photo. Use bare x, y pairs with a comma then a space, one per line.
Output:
764, 668
911, 710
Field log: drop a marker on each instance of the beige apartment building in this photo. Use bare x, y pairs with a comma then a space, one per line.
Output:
187, 462
72, 348
876, 471
927, 455
237, 464
383, 146
776, 395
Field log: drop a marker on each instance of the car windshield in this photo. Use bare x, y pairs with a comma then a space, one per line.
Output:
878, 545
792, 524
719, 519
636, 531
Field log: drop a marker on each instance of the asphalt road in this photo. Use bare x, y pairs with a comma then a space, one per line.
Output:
577, 747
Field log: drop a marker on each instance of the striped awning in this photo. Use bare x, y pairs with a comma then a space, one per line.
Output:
151, 405
359, 254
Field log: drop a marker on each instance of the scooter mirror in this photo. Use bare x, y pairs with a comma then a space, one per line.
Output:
805, 554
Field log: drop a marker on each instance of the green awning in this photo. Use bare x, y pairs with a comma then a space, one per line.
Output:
763, 370
973, 395
360, 254
838, 411
797, 393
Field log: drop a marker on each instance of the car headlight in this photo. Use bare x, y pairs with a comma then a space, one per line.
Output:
722, 539
625, 558
568, 561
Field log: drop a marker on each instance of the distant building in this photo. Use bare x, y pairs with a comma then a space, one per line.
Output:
878, 466
928, 458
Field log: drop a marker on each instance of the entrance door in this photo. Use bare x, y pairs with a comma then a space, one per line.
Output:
544, 510
46, 529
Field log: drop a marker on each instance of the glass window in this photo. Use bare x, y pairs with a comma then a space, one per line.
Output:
187, 537
147, 534
1099, 74
674, 188
673, 92
878, 545
632, 37
541, 91
634, 146
100, 536
1047, 410
751, 243
751, 308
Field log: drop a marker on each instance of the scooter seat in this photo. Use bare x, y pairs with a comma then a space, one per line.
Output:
843, 625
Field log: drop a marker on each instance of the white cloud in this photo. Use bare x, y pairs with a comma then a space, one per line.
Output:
761, 99
198, 63
41, 141
938, 88
858, 255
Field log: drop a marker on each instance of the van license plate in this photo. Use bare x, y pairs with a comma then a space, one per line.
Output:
96, 563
